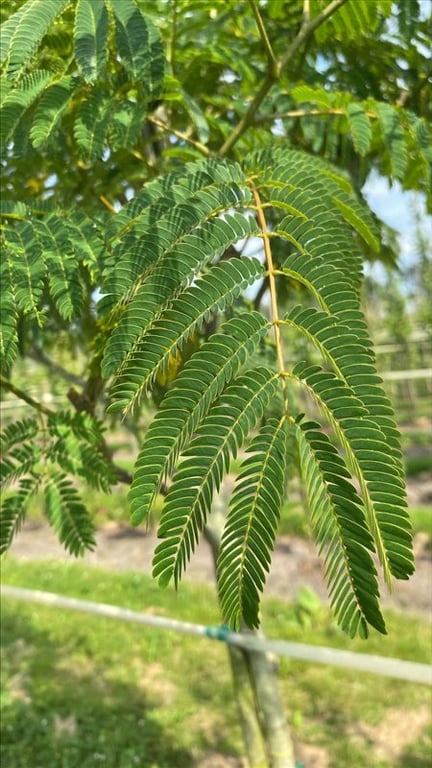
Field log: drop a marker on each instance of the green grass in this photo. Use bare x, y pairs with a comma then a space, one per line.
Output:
81, 691
421, 518
416, 464
415, 438
294, 521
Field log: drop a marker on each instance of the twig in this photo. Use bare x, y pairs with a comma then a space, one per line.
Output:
107, 203
308, 28
293, 113
25, 397
180, 135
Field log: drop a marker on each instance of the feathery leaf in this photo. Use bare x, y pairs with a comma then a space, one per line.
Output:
250, 530
23, 31
341, 531
360, 127
139, 46
50, 108
198, 385
204, 462
68, 515
90, 35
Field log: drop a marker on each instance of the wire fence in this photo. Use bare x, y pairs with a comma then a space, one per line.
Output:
376, 665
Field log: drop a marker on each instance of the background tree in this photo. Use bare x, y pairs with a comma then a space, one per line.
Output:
142, 142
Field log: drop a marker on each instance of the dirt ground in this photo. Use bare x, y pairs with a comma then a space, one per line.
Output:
295, 562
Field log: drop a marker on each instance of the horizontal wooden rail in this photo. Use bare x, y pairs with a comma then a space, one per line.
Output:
376, 665
420, 373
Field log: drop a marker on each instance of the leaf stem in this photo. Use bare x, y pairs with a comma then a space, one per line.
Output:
273, 295
291, 113
25, 397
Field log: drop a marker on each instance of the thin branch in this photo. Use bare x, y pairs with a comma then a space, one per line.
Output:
4, 382
107, 204
300, 113
291, 113
180, 135
306, 30
271, 58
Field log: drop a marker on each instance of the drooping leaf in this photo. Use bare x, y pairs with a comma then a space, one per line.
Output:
205, 461
199, 384
91, 124
90, 36
23, 31
14, 510
341, 531
68, 515
360, 127
50, 108
250, 530
139, 45
393, 138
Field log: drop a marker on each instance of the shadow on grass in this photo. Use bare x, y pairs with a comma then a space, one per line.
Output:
418, 755
58, 716
361, 737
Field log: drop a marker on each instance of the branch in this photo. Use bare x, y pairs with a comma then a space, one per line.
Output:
306, 31
107, 204
308, 28
173, 41
25, 397
182, 136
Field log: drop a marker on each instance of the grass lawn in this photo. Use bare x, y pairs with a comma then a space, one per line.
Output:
81, 691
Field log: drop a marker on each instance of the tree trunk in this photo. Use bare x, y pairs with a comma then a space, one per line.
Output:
255, 678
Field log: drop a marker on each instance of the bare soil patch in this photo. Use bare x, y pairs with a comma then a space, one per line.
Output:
295, 562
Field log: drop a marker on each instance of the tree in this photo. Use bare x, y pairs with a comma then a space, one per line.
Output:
142, 144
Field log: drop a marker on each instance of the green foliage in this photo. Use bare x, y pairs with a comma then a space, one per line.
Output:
45, 269
156, 285
46, 454
22, 33
90, 34
52, 96
251, 526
